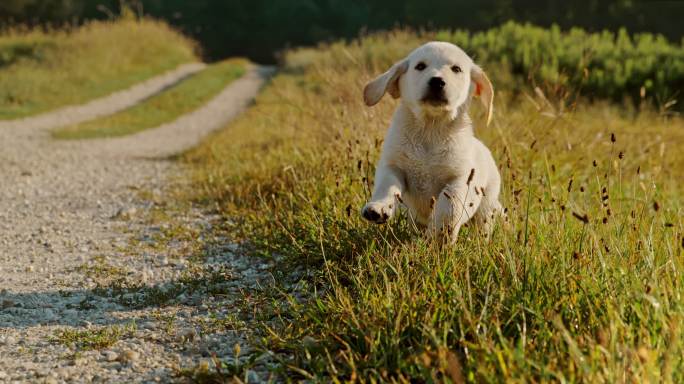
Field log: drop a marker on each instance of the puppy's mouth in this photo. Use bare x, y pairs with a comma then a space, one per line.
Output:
435, 99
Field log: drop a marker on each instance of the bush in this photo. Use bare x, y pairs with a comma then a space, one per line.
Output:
604, 64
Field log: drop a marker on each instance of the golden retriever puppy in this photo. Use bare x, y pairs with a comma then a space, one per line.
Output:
431, 162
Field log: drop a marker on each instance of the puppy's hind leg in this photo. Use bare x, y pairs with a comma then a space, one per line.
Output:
489, 212
456, 205
386, 195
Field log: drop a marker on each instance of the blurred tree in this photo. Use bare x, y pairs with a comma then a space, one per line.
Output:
258, 28
41, 11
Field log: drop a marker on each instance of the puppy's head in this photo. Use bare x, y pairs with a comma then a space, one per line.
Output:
436, 78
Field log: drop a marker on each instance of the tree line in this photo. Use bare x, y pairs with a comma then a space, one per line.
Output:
258, 29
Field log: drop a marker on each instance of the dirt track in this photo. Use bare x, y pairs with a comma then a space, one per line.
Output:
66, 204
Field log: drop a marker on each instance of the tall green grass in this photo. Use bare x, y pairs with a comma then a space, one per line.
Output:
583, 285
45, 69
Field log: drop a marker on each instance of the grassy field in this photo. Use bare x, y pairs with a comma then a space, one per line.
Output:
43, 70
182, 98
585, 285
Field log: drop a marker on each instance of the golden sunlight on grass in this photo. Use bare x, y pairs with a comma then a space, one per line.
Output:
40, 71
585, 284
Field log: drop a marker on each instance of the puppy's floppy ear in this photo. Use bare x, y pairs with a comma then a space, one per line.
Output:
387, 82
483, 89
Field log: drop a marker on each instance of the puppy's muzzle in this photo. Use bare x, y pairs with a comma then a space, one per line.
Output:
435, 94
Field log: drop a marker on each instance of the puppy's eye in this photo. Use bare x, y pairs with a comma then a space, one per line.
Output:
420, 66
456, 68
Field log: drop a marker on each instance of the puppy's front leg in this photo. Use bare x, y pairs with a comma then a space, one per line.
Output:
388, 188
456, 204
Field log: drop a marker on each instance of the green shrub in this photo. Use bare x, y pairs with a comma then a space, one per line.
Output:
603, 64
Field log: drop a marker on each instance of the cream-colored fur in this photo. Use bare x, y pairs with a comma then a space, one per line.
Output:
431, 162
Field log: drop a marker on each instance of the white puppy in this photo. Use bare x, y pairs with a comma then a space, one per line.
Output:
431, 161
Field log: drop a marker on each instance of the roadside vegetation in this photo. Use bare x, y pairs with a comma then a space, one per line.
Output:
100, 338
584, 285
598, 65
168, 105
43, 69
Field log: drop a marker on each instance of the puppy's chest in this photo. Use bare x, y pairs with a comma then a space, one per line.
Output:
427, 168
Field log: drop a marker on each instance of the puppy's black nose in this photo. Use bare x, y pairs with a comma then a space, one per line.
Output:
436, 83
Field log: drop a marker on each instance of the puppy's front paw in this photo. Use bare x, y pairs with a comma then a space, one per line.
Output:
377, 213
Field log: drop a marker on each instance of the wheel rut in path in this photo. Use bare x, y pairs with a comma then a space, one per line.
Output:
106, 105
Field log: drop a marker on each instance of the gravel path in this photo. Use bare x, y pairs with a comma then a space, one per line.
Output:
76, 238
107, 105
